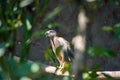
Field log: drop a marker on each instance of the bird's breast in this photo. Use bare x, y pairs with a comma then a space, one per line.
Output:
56, 42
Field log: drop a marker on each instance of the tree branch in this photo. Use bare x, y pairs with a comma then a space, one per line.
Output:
58, 72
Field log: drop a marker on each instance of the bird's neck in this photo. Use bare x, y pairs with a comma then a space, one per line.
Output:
52, 39
52, 44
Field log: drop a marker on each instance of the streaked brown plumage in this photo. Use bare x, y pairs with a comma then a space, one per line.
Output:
65, 55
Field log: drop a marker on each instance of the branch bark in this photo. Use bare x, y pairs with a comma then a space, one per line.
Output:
114, 74
58, 72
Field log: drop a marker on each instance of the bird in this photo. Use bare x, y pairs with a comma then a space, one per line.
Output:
65, 54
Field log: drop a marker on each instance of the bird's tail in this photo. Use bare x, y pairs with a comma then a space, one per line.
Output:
68, 55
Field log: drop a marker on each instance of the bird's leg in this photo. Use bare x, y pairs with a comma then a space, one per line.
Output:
62, 63
61, 66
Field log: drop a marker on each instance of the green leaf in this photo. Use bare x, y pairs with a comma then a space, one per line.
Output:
35, 67
90, 0
66, 78
42, 7
107, 28
28, 24
90, 75
67, 67
46, 76
117, 30
47, 54
100, 51
25, 78
26, 42
117, 25
25, 3
23, 69
93, 74
38, 33
2, 49
18, 70
50, 56
53, 14
53, 25
86, 76
12, 65
0, 23
58, 50
3, 75
8, 43
5, 32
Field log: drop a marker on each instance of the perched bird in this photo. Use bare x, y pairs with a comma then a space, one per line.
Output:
65, 54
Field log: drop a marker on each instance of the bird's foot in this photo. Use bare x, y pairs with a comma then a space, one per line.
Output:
61, 68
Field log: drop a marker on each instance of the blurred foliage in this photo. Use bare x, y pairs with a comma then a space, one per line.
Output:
15, 15
90, 75
115, 29
98, 51
53, 13
25, 15
24, 3
50, 56
101, 52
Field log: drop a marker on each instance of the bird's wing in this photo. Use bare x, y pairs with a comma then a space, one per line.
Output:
68, 54
64, 43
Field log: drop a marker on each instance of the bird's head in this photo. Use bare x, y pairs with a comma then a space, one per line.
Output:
50, 33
